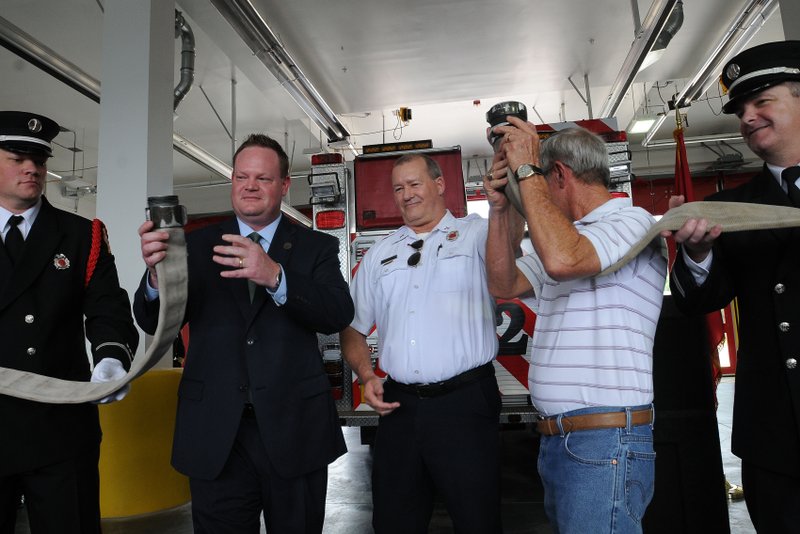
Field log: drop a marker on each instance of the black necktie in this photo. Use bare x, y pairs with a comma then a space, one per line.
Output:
14, 241
790, 176
255, 237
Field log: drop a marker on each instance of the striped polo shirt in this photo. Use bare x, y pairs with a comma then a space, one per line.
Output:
593, 343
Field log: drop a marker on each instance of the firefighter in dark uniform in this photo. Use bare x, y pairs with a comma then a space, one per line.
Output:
762, 270
58, 287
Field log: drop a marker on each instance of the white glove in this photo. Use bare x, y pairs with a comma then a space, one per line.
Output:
106, 370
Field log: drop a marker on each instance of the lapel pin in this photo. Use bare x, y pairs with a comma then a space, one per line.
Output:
61, 262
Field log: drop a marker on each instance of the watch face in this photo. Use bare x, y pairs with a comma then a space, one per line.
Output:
525, 171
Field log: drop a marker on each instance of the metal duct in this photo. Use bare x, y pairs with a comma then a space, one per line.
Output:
651, 27
184, 31
68, 73
674, 23
257, 35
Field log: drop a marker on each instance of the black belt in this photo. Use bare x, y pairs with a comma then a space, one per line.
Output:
436, 389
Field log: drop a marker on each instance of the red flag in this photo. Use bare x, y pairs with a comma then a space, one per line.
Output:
683, 180
683, 186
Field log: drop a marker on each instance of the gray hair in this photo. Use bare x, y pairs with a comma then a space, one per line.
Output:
580, 150
434, 171
794, 88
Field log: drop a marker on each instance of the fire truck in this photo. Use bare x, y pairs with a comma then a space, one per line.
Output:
353, 202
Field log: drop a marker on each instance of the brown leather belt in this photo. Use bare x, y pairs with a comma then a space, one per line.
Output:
593, 421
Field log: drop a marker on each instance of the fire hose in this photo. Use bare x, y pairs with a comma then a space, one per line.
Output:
173, 288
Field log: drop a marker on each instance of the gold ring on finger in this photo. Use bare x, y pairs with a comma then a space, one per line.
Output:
241, 263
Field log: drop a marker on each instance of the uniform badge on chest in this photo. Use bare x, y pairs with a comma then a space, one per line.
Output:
61, 262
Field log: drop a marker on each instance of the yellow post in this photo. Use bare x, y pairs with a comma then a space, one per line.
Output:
135, 472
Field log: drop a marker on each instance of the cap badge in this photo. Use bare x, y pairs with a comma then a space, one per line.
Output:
35, 125
733, 71
61, 262
452, 236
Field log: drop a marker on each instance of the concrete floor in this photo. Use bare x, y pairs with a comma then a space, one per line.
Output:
737, 511
349, 501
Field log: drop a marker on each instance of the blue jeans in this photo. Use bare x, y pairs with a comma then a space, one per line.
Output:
598, 481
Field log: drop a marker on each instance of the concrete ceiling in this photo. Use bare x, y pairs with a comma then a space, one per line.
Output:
447, 60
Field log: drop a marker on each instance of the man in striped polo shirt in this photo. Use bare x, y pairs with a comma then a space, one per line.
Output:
591, 370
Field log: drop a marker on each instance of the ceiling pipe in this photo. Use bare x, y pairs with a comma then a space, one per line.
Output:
184, 31
257, 35
68, 73
668, 143
37, 54
654, 21
741, 30
637, 22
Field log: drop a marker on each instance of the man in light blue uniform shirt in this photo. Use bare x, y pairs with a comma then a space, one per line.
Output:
424, 288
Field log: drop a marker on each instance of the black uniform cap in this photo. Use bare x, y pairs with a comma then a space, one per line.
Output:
27, 133
758, 68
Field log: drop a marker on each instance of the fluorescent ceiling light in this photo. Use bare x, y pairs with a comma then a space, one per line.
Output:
674, 23
645, 38
640, 125
713, 138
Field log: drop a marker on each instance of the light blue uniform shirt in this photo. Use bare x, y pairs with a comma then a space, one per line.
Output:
435, 320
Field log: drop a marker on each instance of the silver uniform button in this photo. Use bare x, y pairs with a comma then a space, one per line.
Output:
29, 319
791, 363
31, 351
784, 326
780, 288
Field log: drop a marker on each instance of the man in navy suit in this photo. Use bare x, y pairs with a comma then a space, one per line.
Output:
761, 269
256, 426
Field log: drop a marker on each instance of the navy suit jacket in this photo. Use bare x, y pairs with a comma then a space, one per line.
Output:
258, 352
762, 269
